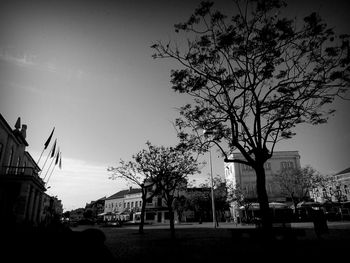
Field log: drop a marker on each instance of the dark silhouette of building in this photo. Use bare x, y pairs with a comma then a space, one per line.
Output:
22, 192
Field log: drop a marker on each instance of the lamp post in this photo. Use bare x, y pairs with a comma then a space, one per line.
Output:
206, 132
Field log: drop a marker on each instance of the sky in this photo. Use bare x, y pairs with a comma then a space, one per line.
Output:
85, 68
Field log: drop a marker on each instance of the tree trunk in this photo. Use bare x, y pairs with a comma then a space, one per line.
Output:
266, 219
171, 220
143, 209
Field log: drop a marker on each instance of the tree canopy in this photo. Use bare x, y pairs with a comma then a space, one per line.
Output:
253, 77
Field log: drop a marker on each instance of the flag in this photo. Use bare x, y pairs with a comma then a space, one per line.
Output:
57, 156
49, 139
60, 164
53, 149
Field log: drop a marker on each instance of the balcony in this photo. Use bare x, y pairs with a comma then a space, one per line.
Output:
14, 170
19, 173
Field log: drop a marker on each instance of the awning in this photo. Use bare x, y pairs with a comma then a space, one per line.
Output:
278, 205
256, 206
252, 206
102, 214
309, 204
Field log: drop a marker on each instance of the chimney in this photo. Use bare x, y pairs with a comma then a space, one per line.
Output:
18, 123
24, 130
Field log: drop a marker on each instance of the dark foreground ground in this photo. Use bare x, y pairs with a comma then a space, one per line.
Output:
192, 244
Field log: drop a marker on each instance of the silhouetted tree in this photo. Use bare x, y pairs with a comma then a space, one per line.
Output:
88, 213
238, 197
297, 183
170, 167
198, 200
253, 78
220, 195
138, 172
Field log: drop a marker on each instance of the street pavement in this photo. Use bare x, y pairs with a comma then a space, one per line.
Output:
194, 243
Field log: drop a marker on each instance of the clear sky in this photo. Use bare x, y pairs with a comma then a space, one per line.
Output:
85, 68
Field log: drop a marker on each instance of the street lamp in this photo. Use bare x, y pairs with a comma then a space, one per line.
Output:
208, 132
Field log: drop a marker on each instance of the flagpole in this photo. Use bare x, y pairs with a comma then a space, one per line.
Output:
40, 156
46, 144
53, 147
48, 178
56, 162
48, 169
45, 161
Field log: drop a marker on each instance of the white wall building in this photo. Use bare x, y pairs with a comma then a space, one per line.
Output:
336, 191
126, 205
244, 176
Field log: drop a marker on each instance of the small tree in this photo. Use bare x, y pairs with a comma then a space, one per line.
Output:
298, 183
198, 200
237, 196
220, 195
254, 77
170, 167
138, 172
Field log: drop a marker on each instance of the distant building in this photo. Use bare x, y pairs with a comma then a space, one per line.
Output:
120, 206
96, 207
342, 185
337, 189
52, 210
126, 205
21, 188
76, 214
241, 175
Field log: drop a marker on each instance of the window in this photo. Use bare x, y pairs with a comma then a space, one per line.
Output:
283, 165
167, 215
10, 160
132, 204
267, 166
18, 163
10, 157
24, 165
287, 165
246, 167
159, 201
1, 146
149, 216
140, 203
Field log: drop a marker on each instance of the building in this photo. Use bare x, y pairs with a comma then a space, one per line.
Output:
126, 205
122, 204
237, 174
96, 207
341, 190
337, 189
52, 210
21, 188
23, 200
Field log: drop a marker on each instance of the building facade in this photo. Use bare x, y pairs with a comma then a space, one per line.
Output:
96, 207
237, 174
22, 191
126, 205
336, 191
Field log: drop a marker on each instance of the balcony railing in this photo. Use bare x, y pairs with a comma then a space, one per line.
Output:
19, 170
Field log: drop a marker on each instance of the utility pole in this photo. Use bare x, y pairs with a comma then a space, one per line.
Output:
212, 190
